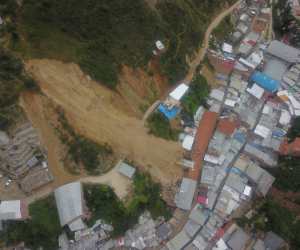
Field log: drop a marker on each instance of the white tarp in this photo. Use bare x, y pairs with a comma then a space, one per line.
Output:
256, 90
229, 102
227, 48
262, 131
211, 159
266, 110
159, 45
10, 210
179, 91
188, 142
285, 117
247, 190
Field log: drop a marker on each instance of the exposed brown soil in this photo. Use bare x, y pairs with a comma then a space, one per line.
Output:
99, 113
209, 75
285, 198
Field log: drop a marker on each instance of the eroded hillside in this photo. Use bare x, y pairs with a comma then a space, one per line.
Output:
99, 113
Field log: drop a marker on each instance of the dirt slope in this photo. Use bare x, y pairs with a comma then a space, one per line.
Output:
101, 114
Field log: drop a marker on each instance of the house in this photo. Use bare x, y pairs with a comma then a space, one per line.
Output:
273, 241
258, 28
238, 240
186, 193
13, 210
127, 170
202, 138
69, 201
226, 127
264, 81
294, 148
159, 45
282, 52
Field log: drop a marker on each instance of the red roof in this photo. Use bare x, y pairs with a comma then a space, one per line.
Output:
298, 12
228, 63
296, 146
271, 100
258, 27
225, 127
202, 200
202, 138
218, 235
283, 147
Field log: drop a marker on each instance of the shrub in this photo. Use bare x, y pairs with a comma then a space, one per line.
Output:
151, 72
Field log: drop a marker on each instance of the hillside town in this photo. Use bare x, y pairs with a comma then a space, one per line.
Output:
230, 145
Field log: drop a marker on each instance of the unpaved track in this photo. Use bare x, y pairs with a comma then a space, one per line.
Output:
202, 51
100, 114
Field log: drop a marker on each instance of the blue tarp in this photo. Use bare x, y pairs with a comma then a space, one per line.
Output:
230, 54
207, 214
262, 41
168, 113
223, 79
239, 137
227, 90
226, 169
241, 175
235, 171
265, 81
277, 134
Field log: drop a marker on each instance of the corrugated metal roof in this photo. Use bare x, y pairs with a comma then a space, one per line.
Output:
180, 240
69, 202
273, 241
283, 51
238, 186
255, 172
217, 94
188, 143
32, 161
126, 170
179, 91
10, 210
186, 193
265, 81
256, 91
197, 217
265, 183
191, 228
259, 245
77, 225
238, 240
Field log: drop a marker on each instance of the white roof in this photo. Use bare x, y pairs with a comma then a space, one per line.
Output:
266, 109
256, 90
188, 142
285, 117
229, 102
10, 210
221, 245
247, 63
262, 131
179, 91
227, 48
294, 102
217, 94
289, 81
77, 225
247, 190
159, 45
211, 159
69, 202
265, 10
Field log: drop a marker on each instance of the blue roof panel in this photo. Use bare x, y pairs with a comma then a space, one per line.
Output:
265, 81
255, 145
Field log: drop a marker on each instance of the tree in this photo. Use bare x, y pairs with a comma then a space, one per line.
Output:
151, 72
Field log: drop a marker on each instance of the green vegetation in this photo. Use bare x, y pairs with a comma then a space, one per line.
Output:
287, 174
81, 149
222, 32
101, 35
198, 91
294, 131
40, 231
151, 72
279, 219
103, 204
160, 126
12, 82
207, 63
282, 20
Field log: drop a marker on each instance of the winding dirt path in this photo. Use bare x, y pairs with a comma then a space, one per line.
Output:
202, 51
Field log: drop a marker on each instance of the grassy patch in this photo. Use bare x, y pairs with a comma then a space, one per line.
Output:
160, 126
222, 32
103, 204
198, 91
42, 230
81, 149
12, 82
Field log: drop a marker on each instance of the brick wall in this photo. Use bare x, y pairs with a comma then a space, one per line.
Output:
265, 15
262, 22
256, 30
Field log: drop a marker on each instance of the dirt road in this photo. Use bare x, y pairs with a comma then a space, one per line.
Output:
103, 179
202, 51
